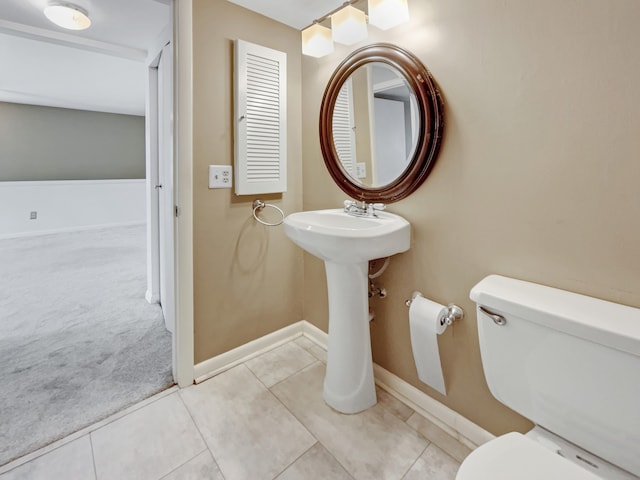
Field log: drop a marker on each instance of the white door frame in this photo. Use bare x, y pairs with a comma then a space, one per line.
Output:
183, 184
181, 36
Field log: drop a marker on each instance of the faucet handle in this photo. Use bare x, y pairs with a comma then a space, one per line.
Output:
378, 206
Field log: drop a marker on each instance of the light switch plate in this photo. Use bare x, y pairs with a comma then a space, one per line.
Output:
220, 176
361, 170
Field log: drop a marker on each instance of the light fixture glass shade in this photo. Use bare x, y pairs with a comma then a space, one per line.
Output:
316, 41
67, 15
386, 14
349, 25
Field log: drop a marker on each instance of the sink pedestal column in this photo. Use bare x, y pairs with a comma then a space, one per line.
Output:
348, 385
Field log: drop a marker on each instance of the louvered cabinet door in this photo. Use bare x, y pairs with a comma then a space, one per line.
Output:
260, 119
344, 128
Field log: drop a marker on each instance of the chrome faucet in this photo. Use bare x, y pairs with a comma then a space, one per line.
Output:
363, 209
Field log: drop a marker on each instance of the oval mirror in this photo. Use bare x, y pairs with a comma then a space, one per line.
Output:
381, 123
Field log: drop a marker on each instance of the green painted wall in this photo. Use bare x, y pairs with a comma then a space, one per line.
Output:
46, 143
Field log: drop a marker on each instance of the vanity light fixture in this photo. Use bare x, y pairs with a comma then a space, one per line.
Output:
349, 25
386, 14
68, 15
316, 41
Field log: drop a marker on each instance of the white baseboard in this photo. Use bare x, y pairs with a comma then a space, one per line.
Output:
459, 427
313, 333
151, 297
220, 363
6, 236
67, 205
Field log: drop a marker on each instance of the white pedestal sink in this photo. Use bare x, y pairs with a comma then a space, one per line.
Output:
346, 243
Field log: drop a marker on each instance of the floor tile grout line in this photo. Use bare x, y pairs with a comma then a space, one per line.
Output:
268, 389
428, 441
388, 410
416, 460
288, 376
93, 456
385, 408
296, 459
307, 349
312, 364
282, 403
204, 440
29, 457
289, 410
432, 442
185, 462
315, 360
248, 358
307, 428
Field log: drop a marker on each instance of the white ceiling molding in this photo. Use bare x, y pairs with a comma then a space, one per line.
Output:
69, 40
46, 101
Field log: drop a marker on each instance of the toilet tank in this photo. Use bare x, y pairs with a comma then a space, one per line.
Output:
567, 362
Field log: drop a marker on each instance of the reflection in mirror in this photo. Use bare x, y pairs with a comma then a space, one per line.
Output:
381, 123
375, 125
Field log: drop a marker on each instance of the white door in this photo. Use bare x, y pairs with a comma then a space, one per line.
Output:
165, 188
390, 136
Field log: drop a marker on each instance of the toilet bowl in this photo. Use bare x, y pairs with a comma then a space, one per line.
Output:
569, 363
535, 456
517, 457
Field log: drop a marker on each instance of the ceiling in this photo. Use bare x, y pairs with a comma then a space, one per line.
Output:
102, 68
295, 13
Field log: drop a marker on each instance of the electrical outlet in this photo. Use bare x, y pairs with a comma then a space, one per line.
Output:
33, 216
220, 176
361, 170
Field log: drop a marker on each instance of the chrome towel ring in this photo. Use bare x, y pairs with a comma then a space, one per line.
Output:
259, 205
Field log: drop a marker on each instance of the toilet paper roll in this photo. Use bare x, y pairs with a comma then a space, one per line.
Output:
425, 324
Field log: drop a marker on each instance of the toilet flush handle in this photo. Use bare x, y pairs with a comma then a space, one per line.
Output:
497, 319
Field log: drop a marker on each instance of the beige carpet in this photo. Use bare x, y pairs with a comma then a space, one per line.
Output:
78, 341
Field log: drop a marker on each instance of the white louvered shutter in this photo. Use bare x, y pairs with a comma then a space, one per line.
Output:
260, 119
344, 128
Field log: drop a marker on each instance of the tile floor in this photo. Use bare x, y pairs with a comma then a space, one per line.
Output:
263, 419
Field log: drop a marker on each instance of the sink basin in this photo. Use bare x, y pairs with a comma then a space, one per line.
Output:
346, 244
335, 236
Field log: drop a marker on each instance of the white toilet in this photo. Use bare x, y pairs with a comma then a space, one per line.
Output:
570, 364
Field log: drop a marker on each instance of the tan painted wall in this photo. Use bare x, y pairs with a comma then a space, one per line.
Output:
247, 278
537, 178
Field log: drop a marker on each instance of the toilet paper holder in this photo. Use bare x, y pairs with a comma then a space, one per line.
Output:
454, 312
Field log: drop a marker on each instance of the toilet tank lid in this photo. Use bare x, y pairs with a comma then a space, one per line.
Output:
603, 322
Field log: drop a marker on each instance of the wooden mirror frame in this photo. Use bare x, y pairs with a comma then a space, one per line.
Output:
431, 115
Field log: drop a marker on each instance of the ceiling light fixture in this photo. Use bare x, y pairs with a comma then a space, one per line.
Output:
386, 14
68, 15
349, 25
316, 41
